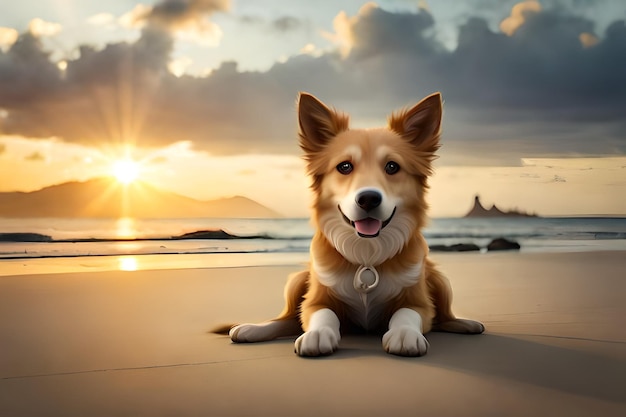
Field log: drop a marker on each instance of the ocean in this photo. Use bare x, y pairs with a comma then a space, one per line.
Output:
286, 238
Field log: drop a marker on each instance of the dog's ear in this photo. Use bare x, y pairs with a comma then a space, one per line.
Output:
420, 124
318, 124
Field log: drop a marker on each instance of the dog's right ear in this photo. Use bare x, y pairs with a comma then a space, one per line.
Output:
318, 124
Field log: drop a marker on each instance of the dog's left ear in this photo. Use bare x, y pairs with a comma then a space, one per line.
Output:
318, 123
421, 124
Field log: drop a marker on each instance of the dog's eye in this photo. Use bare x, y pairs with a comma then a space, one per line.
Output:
392, 168
345, 167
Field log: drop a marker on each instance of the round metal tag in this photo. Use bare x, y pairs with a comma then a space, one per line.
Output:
366, 279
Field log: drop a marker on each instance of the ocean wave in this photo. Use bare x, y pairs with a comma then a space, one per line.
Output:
158, 237
223, 235
218, 234
573, 235
609, 235
199, 251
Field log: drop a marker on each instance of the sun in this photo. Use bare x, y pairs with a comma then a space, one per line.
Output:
125, 170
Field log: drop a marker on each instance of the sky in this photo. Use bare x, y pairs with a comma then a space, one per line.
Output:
201, 93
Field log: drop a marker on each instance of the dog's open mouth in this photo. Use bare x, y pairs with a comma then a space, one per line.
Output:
369, 226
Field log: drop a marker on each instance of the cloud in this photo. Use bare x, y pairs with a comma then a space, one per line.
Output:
39, 27
158, 160
551, 85
519, 14
26, 75
177, 66
102, 19
187, 18
184, 13
588, 40
100, 96
35, 157
3, 148
375, 31
279, 25
286, 23
8, 36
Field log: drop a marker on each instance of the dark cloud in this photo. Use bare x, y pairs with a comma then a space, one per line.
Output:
26, 73
176, 14
543, 65
252, 19
502, 7
539, 78
538, 90
280, 25
102, 95
381, 32
286, 23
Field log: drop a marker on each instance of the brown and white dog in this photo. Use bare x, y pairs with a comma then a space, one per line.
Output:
369, 267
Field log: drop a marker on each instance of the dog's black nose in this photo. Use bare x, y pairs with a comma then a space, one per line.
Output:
369, 200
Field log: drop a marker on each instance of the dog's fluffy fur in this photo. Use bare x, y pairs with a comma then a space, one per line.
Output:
369, 206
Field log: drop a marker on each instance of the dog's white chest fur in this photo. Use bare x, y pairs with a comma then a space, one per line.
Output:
366, 308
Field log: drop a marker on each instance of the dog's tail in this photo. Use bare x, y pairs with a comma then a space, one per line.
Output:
286, 324
222, 329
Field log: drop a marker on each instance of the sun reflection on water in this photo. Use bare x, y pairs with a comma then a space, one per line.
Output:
127, 263
125, 228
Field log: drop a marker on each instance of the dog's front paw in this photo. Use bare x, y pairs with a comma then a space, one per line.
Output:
405, 341
322, 341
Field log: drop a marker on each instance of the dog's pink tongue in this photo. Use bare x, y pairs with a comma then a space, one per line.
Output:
368, 227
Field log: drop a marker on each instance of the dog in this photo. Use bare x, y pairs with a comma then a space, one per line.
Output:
369, 267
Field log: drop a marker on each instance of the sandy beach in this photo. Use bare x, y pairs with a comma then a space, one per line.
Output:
118, 343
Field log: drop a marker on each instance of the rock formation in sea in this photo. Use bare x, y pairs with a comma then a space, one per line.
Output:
478, 210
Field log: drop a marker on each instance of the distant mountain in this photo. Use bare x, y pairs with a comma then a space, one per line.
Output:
104, 197
480, 211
